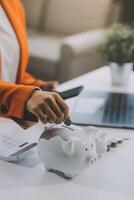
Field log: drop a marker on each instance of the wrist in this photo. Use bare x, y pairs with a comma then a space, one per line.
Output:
33, 93
28, 99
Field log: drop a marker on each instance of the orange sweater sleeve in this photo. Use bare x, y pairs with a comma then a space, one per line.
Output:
28, 79
13, 99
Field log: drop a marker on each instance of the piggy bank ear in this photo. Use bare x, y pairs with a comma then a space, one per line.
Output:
68, 146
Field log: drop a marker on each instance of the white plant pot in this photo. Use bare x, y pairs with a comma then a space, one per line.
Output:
121, 73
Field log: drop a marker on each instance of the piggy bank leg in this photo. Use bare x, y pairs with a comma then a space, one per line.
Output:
70, 176
49, 169
61, 174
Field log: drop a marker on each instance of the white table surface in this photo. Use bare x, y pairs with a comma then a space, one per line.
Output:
109, 178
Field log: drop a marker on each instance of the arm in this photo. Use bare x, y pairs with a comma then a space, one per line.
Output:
13, 100
26, 105
44, 85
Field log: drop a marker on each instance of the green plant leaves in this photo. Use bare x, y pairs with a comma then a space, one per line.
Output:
118, 45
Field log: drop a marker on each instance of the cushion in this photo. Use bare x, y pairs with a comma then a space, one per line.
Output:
45, 45
73, 16
34, 9
45, 52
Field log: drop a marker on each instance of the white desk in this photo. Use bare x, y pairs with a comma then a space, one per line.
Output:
110, 178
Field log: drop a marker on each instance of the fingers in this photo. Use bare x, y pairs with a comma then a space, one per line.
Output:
49, 112
54, 84
41, 116
50, 86
63, 106
57, 110
53, 111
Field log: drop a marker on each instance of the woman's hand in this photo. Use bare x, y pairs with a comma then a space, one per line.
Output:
48, 107
49, 86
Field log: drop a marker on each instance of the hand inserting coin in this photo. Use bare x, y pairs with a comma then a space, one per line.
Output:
67, 122
48, 107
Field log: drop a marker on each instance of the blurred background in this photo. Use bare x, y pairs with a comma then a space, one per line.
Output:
63, 34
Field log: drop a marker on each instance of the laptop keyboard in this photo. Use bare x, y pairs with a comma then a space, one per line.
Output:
119, 109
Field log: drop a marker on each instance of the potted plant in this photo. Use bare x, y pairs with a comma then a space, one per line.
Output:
118, 49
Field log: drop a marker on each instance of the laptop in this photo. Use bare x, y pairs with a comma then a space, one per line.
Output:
104, 109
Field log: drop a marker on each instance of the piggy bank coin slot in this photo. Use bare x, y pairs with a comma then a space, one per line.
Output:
67, 127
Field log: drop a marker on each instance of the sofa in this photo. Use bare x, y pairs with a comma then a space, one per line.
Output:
63, 35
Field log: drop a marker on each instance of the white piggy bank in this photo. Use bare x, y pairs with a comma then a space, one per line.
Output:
68, 150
